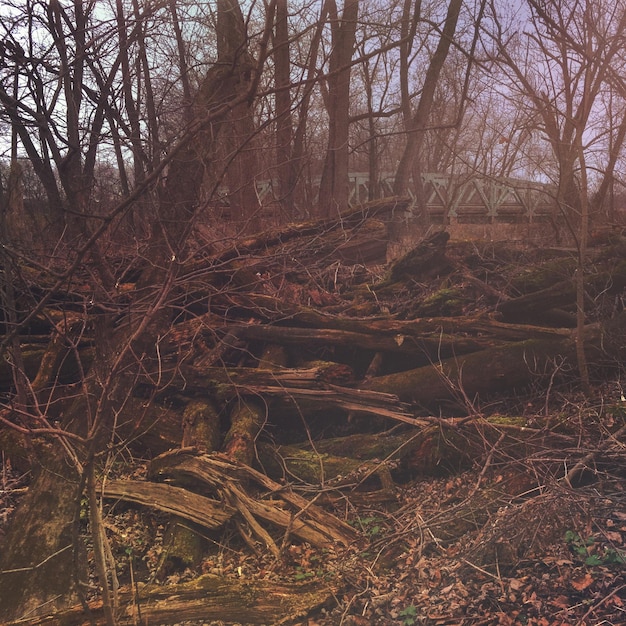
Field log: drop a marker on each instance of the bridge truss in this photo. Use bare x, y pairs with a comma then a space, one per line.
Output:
455, 198
471, 199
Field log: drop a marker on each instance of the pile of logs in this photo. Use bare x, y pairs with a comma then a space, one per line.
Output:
308, 334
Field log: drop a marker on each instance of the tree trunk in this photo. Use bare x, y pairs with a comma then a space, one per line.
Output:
207, 599
41, 563
238, 150
417, 123
334, 186
284, 131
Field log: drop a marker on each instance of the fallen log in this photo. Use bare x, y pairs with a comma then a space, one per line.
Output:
302, 465
426, 260
225, 477
207, 598
201, 510
531, 306
306, 388
210, 513
355, 402
456, 381
202, 379
352, 218
301, 318
459, 380
445, 445
247, 417
42, 365
393, 342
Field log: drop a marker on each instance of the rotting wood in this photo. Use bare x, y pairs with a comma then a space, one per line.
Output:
206, 598
299, 465
201, 426
200, 378
247, 417
531, 306
222, 475
199, 509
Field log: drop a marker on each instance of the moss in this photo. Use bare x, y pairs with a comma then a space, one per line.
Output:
183, 548
507, 420
445, 301
201, 426
541, 277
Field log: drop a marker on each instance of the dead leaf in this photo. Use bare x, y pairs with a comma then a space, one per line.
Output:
580, 584
613, 536
616, 600
560, 602
551, 560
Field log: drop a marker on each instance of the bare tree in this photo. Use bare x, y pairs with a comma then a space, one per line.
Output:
417, 120
334, 191
43, 565
564, 64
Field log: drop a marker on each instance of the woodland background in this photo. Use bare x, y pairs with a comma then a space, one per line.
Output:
169, 326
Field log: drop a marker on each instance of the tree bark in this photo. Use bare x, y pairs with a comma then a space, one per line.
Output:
41, 564
206, 599
334, 189
417, 123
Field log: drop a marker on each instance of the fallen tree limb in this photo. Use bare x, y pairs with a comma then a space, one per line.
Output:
222, 475
206, 598
204, 511
459, 379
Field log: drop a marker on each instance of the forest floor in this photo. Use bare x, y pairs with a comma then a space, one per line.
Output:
413, 569
498, 529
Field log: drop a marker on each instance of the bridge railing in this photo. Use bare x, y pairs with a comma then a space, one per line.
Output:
452, 198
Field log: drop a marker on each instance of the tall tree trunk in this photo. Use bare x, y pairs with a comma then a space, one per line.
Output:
285, 165
239, 151
312, 71
334, 186
418, 121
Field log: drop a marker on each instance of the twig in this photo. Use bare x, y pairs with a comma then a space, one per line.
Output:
582, 464
486, 465
598, 605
